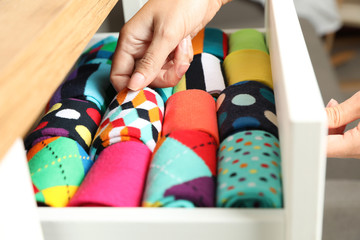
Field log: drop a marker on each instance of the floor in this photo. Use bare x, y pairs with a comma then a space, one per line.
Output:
346, 59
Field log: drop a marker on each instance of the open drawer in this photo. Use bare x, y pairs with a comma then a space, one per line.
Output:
302, 132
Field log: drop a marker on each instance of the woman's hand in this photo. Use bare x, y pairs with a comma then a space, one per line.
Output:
155, 45
340, 144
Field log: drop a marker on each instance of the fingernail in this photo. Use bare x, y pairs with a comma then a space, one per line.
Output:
332, 103
182, 69
184, 45
136, 82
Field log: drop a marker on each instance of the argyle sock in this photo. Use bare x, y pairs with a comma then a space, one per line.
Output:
246, 105
57, 167
132, 115
249, 171
182, 172
72, 118
117, 178
205, 74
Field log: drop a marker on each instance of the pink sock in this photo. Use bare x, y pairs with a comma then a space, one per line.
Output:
116, 178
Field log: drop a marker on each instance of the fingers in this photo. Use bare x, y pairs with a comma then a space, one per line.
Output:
124, 56
345, 112
176, 68
149, 66
121, 69
339, 130
346, 145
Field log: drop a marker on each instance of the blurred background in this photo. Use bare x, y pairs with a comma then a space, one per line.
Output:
331, 30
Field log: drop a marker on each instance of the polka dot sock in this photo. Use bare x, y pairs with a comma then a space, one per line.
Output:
246, 106
212, 41
205, 74
117, 178
182, 172
90, 79
57, 167
72, 118
249, 171
131, 116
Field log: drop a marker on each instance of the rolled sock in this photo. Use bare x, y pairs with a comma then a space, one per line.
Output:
182, 172
104, 49
57, 167
132, 115
117, 178
191, 110
246, 106
249, 171
212, 41
247, 39
72, 118
205, 74
90, 79
164, 93
248, 65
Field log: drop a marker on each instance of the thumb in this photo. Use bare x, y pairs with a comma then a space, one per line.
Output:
344, 113
338, 130
149, 66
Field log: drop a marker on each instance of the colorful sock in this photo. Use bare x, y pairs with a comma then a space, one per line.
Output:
182, 172
249, 171
57, 167
191, 110
212, 41
205, 74
164, 93
248, 65
90, 80
247, 39
104, 49
131, 115
246, 106
117, 178
72, 118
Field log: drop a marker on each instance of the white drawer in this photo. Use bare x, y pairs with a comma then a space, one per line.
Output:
302, 132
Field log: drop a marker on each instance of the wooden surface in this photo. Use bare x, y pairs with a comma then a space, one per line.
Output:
40, 41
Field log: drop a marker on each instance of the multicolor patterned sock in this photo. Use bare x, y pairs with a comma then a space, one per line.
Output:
212, 41
117, 178
246, 106
90, 80
247, 39
72, 118
103, 49
182, 172
249, 171
205, 74
248, 65
57, 167
132, 115
165, 93
191, 110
